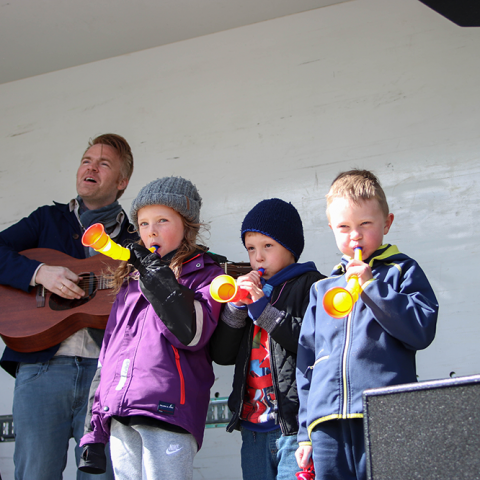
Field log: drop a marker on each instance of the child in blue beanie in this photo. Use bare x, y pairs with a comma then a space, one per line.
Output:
259, 335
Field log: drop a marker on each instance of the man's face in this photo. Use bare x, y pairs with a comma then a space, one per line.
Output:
99, 177
362, 225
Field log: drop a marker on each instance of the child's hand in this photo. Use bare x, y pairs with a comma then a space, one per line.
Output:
142, 258
303, 455
93, 459
252, 284
359, 269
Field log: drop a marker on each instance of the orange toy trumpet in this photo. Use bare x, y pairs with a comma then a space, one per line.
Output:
338, 302
224, 289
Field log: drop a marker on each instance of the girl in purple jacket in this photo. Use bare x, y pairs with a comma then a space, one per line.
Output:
154, 387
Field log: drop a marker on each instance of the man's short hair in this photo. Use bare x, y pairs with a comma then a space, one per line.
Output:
358, 185
123, 149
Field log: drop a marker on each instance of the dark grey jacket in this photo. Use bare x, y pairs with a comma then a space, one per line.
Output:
231, 344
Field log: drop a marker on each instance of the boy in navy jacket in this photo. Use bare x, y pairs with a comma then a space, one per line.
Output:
374, 345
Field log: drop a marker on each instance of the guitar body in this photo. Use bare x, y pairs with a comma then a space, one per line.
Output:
24, 327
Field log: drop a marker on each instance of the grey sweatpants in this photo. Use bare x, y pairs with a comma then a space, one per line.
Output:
151, 453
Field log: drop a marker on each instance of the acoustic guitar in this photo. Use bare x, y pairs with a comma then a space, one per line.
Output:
33, 321
39, 319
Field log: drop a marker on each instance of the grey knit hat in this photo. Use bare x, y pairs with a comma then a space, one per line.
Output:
174, 192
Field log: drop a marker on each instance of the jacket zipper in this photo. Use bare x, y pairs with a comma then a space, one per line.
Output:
344, 365
273, 369
180, 374
177, 359
321, 359
236, 416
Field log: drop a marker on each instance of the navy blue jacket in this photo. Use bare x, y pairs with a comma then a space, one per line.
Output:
374, 346
50, 226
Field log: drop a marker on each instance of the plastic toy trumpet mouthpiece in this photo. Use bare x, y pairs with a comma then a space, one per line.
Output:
96, 238
338, 302
224, 289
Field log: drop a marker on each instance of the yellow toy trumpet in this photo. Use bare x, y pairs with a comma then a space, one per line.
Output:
338, 302
100, 241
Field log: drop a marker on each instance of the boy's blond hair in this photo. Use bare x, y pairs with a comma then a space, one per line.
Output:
357, 186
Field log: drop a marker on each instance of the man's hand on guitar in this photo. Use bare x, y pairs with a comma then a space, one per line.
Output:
59, 280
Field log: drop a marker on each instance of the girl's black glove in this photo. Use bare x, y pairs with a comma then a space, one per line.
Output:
172, 302
93, 459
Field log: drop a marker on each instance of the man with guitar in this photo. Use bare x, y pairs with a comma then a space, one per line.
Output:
52, 384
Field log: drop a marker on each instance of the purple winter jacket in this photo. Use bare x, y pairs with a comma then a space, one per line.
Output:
146, 370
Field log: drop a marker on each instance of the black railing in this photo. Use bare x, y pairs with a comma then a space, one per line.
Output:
218, 415
6, 433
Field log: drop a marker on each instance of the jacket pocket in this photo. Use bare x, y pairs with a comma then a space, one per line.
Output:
28, 372
180, 375
309, 370
321, 359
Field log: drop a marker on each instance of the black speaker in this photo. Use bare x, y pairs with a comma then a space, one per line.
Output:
465, 13
424, 431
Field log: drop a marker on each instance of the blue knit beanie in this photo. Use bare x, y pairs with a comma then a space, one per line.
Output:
174, 192
278, 220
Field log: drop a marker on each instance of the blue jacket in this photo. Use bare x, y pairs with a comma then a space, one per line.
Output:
50, 226
146, 370
374, 346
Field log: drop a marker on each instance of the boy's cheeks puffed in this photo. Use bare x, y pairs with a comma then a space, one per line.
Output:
264, 252
361, 224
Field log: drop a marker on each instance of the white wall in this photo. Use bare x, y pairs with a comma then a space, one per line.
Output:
278, 109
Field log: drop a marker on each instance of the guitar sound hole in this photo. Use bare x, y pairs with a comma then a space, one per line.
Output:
88, 283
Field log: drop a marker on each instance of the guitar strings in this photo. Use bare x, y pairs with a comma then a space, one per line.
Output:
102, 281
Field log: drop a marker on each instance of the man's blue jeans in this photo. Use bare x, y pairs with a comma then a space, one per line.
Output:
268, 456
49, 406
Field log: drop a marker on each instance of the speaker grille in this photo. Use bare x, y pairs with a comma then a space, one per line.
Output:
420, 431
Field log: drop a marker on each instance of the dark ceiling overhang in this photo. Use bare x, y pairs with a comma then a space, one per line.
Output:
465, 13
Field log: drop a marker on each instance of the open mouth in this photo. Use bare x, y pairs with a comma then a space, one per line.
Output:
90, 179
